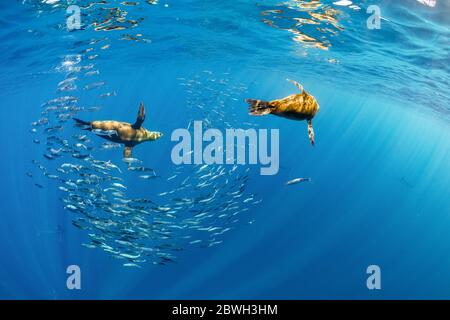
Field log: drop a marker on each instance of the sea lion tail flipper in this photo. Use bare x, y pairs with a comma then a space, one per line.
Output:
259, 107
82, 123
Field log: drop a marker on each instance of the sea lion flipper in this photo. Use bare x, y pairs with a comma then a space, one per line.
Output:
310, 132
83, 124
259, 107
128, 152
298, 85
140, 117
113, 138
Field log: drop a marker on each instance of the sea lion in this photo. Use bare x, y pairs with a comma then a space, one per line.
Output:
124, 133
301, 106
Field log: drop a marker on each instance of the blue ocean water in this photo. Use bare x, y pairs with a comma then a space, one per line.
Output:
380, 169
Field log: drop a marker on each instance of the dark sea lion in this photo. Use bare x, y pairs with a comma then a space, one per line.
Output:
301, 106
124, 133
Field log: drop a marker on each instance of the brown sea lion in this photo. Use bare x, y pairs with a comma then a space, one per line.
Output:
301, 106
125, 133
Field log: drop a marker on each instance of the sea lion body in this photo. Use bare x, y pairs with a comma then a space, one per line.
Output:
301, 106
130, 135
125, 133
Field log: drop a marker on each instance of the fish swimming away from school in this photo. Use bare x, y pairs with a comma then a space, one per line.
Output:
298, 180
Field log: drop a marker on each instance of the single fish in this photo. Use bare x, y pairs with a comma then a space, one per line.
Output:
119, 185
298, 180
148, 177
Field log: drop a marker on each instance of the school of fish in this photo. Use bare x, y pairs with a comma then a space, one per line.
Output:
200, 204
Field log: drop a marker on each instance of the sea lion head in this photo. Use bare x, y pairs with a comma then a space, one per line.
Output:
152, 135
313, 105
316, 105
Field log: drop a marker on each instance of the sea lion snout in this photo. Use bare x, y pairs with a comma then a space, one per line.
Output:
153, 135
